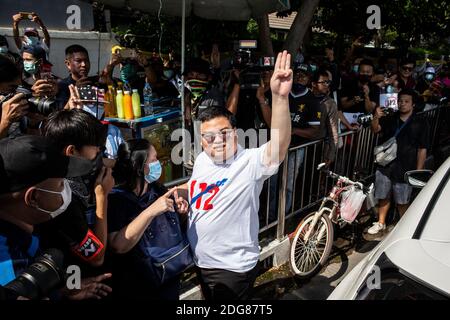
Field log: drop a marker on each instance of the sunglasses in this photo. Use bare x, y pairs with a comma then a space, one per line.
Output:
326, 82
210, 137
407, 68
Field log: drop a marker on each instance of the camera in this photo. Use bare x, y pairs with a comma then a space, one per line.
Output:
41, 277
365, 119
44, 106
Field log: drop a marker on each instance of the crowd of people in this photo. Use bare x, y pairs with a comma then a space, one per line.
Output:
69, 180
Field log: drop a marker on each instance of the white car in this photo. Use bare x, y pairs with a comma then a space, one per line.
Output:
413, 261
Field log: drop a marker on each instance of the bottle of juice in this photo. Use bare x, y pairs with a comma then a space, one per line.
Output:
127, 106
112, 101
136, 100
119, 104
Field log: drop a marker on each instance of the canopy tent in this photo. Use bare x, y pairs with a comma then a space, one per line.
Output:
235, 10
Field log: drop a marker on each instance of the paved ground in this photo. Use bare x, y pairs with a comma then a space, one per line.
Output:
279, 283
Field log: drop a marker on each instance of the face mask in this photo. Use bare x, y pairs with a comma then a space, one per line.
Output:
168, 74
363, 78
31, 41
429, 76
30, 67
154, 172
197, 87
313, 67
97, 112
298, 88
66, 195
127, 72
3, 49
355, 68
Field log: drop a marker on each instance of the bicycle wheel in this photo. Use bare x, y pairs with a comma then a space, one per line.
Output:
306, 259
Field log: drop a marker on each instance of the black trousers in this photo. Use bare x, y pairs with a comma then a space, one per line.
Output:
219, 284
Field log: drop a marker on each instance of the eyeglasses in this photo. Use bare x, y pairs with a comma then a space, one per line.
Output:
210, 137
325, 82
407, 68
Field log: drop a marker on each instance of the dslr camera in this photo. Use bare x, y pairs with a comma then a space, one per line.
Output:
44, 106
250, 71
365, 119
41, 277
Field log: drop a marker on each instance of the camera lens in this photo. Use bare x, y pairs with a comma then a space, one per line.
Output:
44, 275
44, 106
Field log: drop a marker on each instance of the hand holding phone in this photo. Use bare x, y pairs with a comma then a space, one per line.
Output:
26, 15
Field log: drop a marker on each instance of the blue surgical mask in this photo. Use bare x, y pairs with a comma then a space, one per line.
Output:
168, 74
31, 41
355, 68
429, 76
3, 49
30, 67
154, 172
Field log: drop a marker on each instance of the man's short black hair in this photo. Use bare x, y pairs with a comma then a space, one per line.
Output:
366, 62
321, 72
406, 61
8, 70
217, 112
409, 92
75, 127
75, 48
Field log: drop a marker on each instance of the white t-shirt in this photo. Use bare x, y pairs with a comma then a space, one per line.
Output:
223, 221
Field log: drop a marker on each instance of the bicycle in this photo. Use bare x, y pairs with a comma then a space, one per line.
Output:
314, 236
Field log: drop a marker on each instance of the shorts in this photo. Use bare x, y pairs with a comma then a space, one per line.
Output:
384, 187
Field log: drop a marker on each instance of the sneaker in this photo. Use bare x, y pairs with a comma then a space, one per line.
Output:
377, 227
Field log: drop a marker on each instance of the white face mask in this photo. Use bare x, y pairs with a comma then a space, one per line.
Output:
66, 195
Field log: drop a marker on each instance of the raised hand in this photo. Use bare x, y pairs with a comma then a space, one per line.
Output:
163, 203
281, 81
182, 205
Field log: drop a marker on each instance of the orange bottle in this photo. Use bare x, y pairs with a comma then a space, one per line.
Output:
128, 106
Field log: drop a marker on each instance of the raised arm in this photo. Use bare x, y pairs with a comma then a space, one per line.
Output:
280, 130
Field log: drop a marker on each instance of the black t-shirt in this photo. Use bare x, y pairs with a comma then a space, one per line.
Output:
352, 89
414, 135
247, 109
305, 112
70, 233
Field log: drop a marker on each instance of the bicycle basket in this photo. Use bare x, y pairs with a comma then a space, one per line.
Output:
351, 203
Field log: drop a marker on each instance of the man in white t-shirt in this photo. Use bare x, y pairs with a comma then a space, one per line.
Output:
224, 193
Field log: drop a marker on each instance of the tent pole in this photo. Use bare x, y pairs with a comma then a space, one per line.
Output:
183, 46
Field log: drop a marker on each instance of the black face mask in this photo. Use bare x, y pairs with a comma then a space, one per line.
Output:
363, 78
91, 177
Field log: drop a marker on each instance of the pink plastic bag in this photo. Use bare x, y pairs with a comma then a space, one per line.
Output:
351, 203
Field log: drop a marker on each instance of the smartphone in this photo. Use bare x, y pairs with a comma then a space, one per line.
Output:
26, 15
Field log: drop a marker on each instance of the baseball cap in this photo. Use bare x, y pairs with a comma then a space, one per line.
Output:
304, 68
430, 70
28, 160
31, 32
38, 52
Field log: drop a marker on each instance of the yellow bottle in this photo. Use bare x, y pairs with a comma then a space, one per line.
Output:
112, 102
136, 100
127, 106
119, 104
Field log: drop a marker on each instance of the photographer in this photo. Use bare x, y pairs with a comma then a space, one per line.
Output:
76, 133
412, 135
78, 63
31, 35
33, 190
43, 84
250, 106
360, 95
13, 109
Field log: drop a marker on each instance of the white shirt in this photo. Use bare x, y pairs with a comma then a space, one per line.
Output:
223, 221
